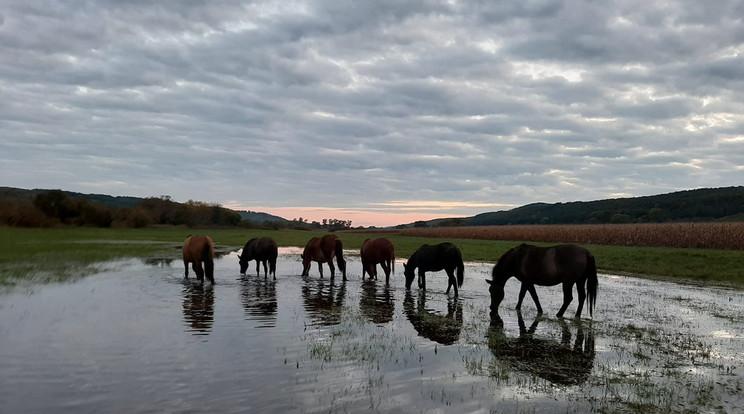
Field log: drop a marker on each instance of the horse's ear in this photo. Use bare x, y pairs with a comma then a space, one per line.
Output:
489, 281
405, 265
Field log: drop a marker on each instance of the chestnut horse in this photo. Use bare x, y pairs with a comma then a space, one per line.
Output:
376, 251
323, 250
565, 264
198, 250
262, 250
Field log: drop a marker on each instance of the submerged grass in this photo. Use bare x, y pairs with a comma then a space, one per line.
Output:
58, 252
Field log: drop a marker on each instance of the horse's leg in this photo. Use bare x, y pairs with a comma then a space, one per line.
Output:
451, 281
333, 269
422, 276
580, 288
266, 268
320, 269
186, 269
533, 293
567, 297
522, 291
364, 269
199, 270
258, 268
386, 268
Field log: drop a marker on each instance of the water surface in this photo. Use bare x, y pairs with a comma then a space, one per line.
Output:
137, 338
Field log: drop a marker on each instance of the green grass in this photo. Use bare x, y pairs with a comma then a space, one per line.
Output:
63, 252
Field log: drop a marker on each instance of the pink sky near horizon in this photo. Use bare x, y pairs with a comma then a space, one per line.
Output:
358, 217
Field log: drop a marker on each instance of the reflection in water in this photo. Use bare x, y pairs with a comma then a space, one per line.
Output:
323, 300
198, 308
259, 300
376, 306
558, 362
158, 261
441, 329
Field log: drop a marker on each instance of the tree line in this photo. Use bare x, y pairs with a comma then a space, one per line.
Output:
55, 207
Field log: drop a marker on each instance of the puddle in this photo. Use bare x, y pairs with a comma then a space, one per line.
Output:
136, 337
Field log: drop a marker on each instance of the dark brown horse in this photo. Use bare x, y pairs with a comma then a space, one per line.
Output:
198, 250
442, 256
323, 250
565, 264
262, 250
378, 251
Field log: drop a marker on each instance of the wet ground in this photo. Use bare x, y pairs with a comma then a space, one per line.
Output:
136, 337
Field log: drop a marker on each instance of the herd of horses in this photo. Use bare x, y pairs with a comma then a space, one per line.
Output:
566, 265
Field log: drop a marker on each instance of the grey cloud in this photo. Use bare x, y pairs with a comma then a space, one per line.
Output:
344, 104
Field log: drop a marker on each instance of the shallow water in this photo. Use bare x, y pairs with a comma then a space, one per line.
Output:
136, 337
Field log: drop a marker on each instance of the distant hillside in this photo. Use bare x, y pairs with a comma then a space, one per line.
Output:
706, 204
124, 202
106, 200
258, 217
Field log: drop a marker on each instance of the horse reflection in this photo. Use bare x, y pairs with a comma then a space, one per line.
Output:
259, 300
376, 306
558, 362
323, 300
198, 308
441, 329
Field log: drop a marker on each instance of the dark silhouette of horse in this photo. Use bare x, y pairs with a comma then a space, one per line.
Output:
323, 302
259, 300
198, 250
198, 308
565, 264
262, 250
323, 250
376, 251
441, 329
558, 362
443, 256
377, 306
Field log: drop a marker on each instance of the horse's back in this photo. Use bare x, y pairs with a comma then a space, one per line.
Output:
378, 250
552, 265
194, 246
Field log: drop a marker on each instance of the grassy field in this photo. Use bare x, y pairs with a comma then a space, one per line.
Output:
60, 253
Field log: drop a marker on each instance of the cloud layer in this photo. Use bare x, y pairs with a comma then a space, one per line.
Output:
441, 108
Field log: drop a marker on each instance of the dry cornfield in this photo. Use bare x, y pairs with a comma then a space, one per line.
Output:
695, 235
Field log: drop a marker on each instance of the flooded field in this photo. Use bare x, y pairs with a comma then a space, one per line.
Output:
136, 337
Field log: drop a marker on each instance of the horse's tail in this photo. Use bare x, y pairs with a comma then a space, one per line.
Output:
208, 259
340, 257
591, 277
460, 273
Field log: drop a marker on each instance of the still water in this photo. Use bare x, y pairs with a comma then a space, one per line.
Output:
137, 338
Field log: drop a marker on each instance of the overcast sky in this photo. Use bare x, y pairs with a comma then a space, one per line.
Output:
381, 112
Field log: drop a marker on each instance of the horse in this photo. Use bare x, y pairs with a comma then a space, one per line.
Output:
565, 264
376, 251
198, 250
323, 250
443, 256
442, 329
262, 250
560, 363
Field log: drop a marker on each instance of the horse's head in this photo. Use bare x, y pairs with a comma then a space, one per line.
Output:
305, 264
409, 273
243, 264
499, 276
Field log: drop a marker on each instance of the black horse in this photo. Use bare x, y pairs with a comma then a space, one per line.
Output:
443, 256
545, 266
262, 250
561, 362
